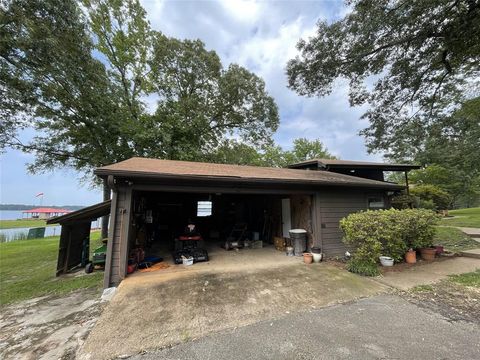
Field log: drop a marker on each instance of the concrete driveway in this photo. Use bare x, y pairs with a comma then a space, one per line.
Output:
381, 327
163, 309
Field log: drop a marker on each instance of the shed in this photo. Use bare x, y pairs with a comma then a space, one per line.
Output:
75, 235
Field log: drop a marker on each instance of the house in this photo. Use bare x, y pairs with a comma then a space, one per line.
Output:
152, 199
44, 213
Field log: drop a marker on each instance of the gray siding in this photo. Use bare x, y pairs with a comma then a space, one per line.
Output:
331, 206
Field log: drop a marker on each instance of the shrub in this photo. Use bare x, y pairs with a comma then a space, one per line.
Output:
387, 232
404, 201
361, 267
431, 197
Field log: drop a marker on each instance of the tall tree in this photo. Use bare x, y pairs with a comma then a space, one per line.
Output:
422, 55
81, 75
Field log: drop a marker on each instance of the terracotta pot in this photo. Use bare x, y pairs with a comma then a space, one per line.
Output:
411, 257
428, 254
307, 258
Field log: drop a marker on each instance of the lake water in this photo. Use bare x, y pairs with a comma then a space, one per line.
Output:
10, 214
19, 233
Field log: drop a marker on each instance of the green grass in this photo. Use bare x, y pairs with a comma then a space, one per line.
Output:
463, 218
27, 270
467, 279
422, 288
12, 224
453, 239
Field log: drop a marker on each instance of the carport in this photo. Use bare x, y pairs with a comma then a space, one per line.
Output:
74, 244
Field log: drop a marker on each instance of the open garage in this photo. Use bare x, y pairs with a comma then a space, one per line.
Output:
155, 202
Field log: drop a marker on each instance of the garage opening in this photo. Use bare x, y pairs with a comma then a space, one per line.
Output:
222, 221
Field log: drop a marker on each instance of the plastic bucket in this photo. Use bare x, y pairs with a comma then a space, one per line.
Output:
317, 257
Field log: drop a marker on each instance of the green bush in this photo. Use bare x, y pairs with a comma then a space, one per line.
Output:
431, 197
361, 267
387, 232
404, 201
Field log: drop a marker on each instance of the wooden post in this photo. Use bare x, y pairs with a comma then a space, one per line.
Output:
406, 182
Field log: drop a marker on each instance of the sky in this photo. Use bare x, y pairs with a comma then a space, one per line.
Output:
259, 35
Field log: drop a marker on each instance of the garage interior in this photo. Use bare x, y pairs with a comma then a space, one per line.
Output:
158, 218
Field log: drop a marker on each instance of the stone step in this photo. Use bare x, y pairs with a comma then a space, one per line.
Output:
475, 253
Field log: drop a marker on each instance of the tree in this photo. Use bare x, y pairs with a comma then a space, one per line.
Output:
462, 187
440, 199
81, 79
303, 149
422, 56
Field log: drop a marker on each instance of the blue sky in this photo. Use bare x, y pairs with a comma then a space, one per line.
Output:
260, 36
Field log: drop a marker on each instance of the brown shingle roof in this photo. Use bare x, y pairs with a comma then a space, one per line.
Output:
334, 163
145, 167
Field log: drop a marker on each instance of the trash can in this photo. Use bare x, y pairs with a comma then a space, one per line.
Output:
299, 241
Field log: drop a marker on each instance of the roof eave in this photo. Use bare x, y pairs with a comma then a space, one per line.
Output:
150, 175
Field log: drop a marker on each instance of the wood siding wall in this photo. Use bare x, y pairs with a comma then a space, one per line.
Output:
117, 250
331, 206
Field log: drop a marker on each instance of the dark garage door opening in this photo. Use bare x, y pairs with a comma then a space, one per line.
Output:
158, 218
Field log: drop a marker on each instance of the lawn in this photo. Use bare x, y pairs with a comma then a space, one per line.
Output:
467, 279
454, 239
463, 218
22, 223
27, 270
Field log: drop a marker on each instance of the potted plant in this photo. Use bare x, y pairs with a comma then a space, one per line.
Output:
428, 253
411, 256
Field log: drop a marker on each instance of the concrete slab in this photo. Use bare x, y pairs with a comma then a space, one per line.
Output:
474, 253
428, 273
472, 232
156, 311
382, 327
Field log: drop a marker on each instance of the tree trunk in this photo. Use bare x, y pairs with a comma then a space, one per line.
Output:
106, 196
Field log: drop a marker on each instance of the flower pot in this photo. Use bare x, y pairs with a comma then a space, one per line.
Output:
307, 258
410, 257
439, 249
386, 261
428, 254
317, 257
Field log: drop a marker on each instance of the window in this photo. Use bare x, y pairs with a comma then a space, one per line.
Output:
376, 203
204, 208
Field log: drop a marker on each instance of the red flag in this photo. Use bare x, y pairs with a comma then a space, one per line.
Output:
39, 194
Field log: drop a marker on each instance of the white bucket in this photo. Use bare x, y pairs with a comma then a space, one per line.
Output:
187, 261
386, 261
317, 257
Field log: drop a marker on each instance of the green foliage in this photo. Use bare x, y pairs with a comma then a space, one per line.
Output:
387, 232
425, 104
403, 201
236, 152
363, 267
421, 52
461, 186
432, 197
90, 113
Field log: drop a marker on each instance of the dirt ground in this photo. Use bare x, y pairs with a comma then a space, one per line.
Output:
48, 327
454, 302
157, 310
